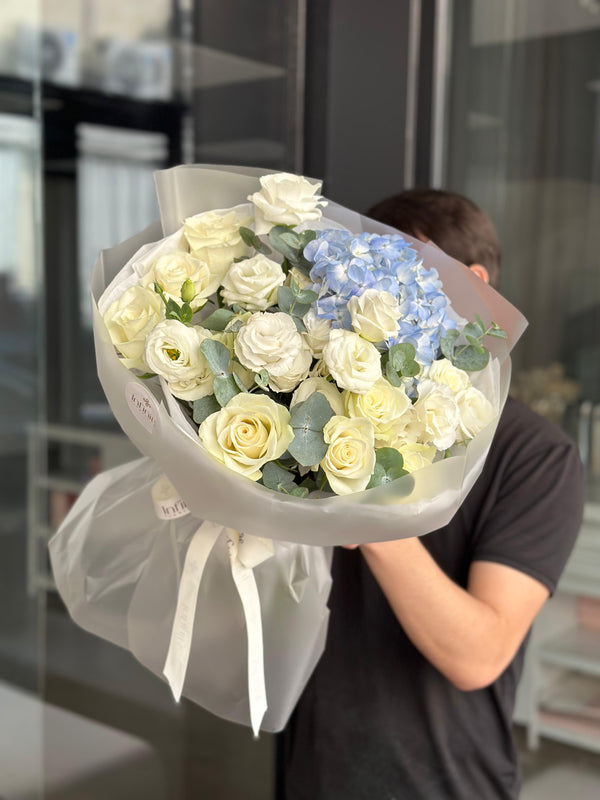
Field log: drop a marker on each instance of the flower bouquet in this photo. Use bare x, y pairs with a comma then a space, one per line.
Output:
300, 374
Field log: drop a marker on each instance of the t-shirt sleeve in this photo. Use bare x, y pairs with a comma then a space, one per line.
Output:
536, 514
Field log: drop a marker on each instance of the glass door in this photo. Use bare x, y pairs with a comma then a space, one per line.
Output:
522, 138
21, 401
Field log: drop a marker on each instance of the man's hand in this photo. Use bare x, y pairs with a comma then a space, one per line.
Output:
469, 635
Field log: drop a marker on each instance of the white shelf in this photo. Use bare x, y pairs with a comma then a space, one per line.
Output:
577, 649
570, 730
60, 484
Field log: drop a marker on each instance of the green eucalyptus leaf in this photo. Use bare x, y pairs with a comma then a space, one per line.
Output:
306, 296
225, 388
389, 465
475, 344
472, 330
277, 478
471, 360
251, 240
278, 241
392, 375
285, 298
300, 326
239, 383
306, 237
262, 379
217, 356
204, 407
308, 419
480, 323
411, 369
300, 491
497, 333
448, 343
295, 288
218, 320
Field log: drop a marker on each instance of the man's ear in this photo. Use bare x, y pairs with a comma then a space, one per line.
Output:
480, 271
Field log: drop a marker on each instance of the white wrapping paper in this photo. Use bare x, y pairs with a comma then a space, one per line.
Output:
118, 568
235, 623
410, 506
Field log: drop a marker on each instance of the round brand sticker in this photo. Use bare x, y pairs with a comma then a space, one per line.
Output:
142, 405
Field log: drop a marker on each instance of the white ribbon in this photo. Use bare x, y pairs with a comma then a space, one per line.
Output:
245, 552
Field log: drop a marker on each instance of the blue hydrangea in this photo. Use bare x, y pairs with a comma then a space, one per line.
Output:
344, 264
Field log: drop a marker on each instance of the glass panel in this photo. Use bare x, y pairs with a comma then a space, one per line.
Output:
524, 143
131, 87
21, 313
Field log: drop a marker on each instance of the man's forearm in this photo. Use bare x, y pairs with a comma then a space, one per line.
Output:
464, 637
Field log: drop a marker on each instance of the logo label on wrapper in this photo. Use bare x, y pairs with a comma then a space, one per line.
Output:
167, 503
142, 405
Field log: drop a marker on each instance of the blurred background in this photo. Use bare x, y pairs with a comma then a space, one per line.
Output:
496, 99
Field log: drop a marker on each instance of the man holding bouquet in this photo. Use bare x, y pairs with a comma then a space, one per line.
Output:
413, 697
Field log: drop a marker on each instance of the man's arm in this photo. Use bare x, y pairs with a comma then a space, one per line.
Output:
469, 635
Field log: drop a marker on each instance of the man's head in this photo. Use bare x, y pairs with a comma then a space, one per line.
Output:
450, 220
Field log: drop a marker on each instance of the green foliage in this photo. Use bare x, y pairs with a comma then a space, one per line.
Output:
472, 356
251, 240
218, 320
389, 465
278, 478
204, 407
261, 379
291, 245
308, 419
399, 362
182, 313
290, 304
225, 388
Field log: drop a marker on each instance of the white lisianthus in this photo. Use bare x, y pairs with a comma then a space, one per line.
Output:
173, 269
384, 405
407, 430
247, 433
173, 352
354, 363
272, 342
129, 319
444, 371
320, 370
214, 237
475, 411
374, 314
416, 456
285, 199
326, 388
317, 332
437, 411
350, 458
253, 283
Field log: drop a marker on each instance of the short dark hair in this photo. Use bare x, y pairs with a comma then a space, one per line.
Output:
450, 220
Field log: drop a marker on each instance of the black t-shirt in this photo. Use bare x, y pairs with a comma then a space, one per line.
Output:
377, 721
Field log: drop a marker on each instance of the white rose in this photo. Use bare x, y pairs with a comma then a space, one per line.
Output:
173, 352
437, 411
384, 405
253, 283
444, 371
350, 458
214, 237
272, 342
325, 387
173, 269
285, 199
249, 431
475, 411
129, 319
416, 456
374, 315
354, 363
317, 332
